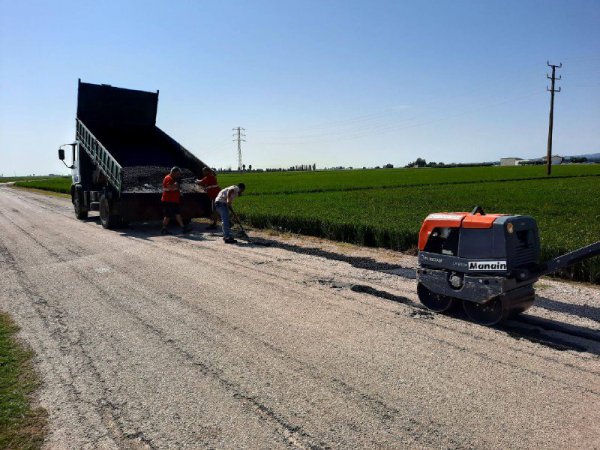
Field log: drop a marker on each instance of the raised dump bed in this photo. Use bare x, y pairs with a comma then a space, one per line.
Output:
120, 158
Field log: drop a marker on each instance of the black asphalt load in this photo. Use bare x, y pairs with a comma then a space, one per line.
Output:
149, 177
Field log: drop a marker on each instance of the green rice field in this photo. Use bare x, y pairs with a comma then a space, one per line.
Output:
29, 178
54, 184
385, 207
345, 180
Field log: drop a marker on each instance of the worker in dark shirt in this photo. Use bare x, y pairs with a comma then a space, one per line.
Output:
171, 197
210, 184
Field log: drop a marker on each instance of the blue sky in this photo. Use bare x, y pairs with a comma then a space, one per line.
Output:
353, 83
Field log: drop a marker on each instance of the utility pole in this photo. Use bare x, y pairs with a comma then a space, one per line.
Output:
551, 124
239, 136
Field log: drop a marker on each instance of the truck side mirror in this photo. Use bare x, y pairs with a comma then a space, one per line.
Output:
61, 154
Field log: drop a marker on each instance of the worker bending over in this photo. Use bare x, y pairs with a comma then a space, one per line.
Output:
210, 184
223, 204
171, 197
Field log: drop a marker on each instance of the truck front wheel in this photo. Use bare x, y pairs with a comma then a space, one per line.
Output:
107, 218
80, 211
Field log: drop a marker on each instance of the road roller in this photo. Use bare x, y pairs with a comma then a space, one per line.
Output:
486, 262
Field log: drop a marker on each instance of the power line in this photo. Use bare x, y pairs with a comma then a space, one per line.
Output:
374, 120
551, 120
338, 136
239, 136
340, 123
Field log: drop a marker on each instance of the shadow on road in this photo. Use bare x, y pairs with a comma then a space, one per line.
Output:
584, 311
549, 333
360, 262
151, 230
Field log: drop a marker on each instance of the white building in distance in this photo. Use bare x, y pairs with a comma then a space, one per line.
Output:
511, 161
556, 160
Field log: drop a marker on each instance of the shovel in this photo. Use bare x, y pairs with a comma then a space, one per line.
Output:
244, 234
237, 220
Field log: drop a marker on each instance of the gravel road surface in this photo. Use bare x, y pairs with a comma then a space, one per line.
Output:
149, 341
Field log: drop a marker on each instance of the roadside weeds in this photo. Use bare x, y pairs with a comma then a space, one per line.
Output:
22, 425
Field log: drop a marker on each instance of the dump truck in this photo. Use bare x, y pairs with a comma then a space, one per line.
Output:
120, 157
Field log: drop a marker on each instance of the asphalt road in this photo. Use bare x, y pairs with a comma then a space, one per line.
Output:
149, 341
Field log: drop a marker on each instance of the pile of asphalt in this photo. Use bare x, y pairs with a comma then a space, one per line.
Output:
150, 179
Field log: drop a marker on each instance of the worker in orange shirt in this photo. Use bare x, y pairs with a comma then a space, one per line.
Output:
170, 200
210, 184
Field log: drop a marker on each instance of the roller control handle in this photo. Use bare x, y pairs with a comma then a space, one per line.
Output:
568, 259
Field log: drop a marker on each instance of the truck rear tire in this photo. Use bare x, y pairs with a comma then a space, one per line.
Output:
107, 219
80, 211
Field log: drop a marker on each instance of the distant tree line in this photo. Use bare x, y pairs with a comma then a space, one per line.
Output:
230, 170
421, 162
418, 163
577, 159
532, 162
542, 161
297, 168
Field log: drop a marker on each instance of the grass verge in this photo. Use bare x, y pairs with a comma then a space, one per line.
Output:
27, 178
22, 426
58, 184
43, 192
